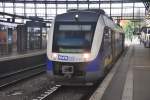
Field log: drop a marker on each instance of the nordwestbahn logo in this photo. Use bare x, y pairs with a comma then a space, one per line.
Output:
60, 57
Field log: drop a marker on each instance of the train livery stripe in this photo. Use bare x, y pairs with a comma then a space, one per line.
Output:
49, 65
94, 65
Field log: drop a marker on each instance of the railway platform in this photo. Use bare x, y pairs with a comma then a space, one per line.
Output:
129, 78
15, 66
15, 55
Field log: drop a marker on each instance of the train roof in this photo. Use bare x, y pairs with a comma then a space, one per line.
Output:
91, 15
98, 11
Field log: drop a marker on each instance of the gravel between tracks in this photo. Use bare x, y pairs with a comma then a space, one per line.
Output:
27, 89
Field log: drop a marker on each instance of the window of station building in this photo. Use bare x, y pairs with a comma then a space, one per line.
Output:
61, 6
72, 6
1, 4
142, 12
139, 12
127, 12
60, 11
139, 5
30, 6
8, 4
1, 9
83, 6
116, 5
94, 6
9, 10
51, 12
40, 6
40, 11
19, 11
115, 12
128, 5
30, 12
103, 6
94, 0
19, 5
72, 0
51, 6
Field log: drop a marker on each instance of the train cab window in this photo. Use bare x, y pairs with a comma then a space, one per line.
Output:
73, 38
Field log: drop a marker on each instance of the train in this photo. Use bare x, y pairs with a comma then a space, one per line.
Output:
145, 36
81, 46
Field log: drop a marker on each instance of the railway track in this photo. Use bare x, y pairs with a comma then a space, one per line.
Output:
59, 92
11, 78
48, 92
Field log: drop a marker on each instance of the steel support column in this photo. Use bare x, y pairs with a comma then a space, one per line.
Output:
122, 9
133, 10
99, 4
110, 8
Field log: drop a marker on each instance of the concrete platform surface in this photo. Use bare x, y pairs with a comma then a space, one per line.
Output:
16, 55
131, 80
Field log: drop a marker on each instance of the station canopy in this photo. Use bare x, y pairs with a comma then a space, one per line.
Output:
48, 9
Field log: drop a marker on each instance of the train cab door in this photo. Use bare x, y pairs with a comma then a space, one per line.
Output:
107, 46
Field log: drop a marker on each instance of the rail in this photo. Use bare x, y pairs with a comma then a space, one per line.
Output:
9, 79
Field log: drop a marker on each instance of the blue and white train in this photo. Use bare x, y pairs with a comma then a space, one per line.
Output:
82, 44
145, 36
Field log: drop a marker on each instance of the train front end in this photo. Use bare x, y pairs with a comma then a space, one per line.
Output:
69, 50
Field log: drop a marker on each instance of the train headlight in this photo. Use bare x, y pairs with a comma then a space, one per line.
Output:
54, 56
86, 56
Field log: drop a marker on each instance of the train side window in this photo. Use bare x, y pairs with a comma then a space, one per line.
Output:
106, 34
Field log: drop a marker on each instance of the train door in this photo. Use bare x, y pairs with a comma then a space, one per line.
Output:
107, 47
122, 41
113, 43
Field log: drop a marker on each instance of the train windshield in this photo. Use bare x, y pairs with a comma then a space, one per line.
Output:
73, 38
